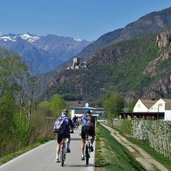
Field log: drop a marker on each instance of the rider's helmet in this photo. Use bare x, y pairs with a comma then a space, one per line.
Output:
65, 112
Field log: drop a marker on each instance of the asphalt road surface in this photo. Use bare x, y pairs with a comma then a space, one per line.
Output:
42, 158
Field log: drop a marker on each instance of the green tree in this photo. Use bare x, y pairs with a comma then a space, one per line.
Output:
13, 75
113, 104
44, 108
57, 103
131, 105
13, 72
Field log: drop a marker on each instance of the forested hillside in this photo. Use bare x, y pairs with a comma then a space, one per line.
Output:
129, 60
135, 68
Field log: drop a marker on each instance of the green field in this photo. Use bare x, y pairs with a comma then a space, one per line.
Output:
111, 156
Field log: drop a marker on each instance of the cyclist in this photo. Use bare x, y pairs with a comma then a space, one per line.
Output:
64, 133
75, 121
88, 126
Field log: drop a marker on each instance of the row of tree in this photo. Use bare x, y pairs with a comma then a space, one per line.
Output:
14, 125
22, 119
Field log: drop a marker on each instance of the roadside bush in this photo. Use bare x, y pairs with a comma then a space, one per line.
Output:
126, 126
123, 125
44, 108
22, 130
57, 103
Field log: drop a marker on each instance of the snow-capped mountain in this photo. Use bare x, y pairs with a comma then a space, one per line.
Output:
7, 38
30, 38
45, 53
12, 37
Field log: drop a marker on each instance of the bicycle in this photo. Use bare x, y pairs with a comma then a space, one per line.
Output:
63, 151
87, 149
76, 125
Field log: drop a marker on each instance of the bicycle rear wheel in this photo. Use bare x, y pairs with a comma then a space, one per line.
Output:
87, 155
62, 157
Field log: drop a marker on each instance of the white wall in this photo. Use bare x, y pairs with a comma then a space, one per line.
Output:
72, 113
167, 115
140, 107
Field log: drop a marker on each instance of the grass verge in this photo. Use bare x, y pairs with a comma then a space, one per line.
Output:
110, 155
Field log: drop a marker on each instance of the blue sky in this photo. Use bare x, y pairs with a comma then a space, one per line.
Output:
84, 19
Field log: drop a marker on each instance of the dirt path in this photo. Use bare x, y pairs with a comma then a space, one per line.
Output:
149, 163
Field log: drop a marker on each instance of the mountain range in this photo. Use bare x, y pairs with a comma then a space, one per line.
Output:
42, 53
135, 61
150, 23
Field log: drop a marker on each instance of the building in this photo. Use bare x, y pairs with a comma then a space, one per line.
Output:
152, 109
143, 105
75, 63
79, 111
159, 106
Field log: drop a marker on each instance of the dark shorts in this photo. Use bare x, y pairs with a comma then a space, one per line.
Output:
89, 130
61, 136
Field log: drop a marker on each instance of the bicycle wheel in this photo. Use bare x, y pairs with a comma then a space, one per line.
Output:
87, 154
62, 156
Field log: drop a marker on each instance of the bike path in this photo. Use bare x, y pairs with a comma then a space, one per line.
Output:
42, 158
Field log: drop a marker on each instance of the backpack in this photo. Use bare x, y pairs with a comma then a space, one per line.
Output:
89, 121
58, 125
